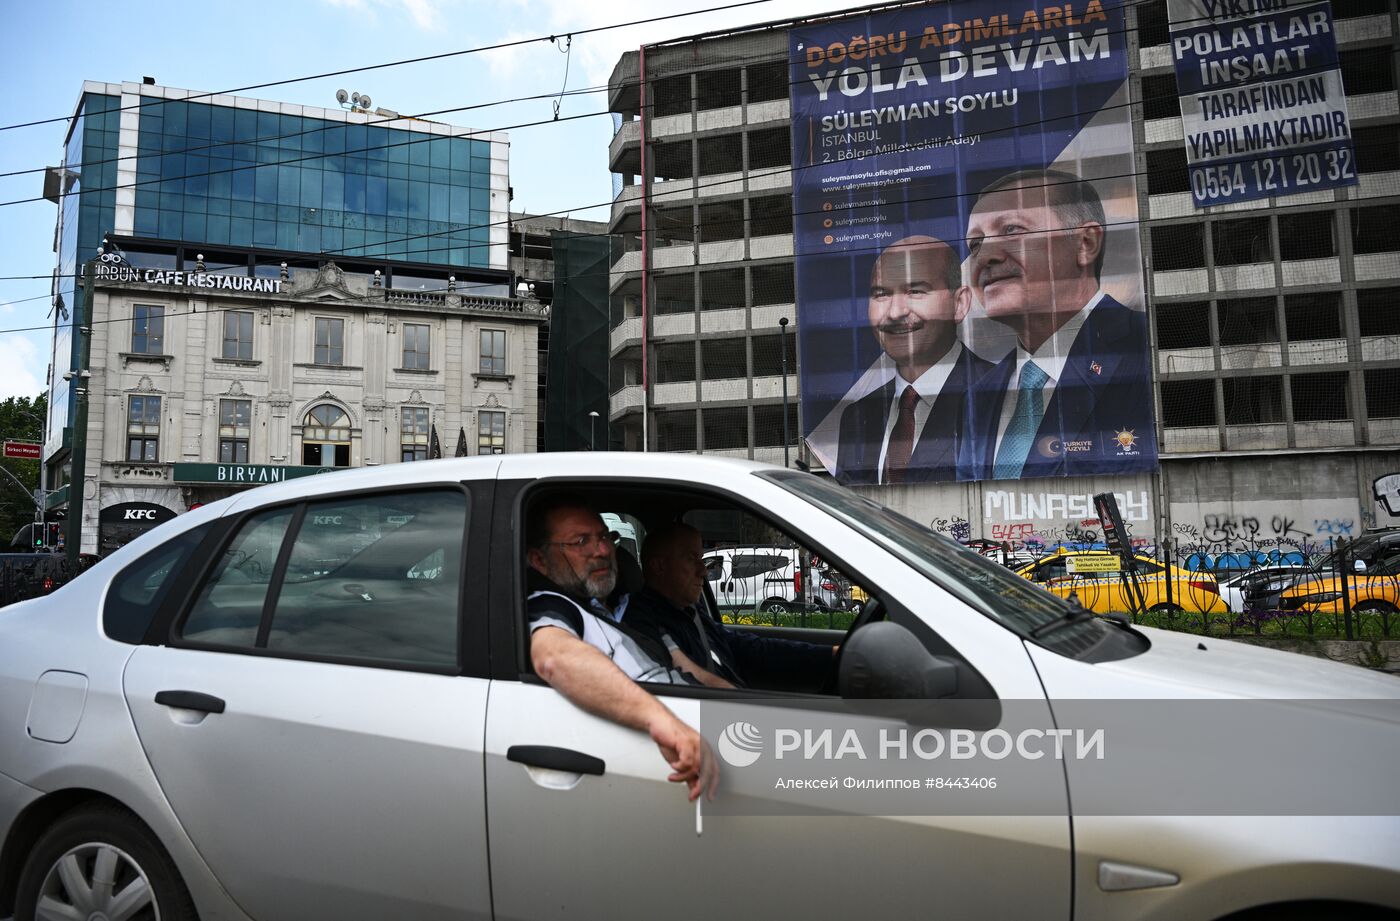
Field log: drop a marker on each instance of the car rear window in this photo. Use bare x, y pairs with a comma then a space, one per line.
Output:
138, 590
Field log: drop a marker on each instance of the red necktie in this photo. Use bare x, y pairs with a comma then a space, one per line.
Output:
902, 438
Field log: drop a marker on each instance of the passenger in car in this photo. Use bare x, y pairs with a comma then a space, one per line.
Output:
671, 610
580, 647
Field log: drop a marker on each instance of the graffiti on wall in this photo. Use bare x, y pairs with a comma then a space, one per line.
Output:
1387, 492
1261, 532
1036, 520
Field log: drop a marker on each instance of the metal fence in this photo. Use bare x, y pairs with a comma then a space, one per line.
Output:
1350, 590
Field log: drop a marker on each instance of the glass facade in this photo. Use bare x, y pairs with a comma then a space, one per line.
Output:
86, 213
240, 177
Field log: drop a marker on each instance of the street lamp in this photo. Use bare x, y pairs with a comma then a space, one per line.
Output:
782, 332
592, 422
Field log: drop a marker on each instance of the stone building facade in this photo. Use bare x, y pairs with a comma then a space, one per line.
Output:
197, 393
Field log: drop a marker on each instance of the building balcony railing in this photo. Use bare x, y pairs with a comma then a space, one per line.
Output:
627, 400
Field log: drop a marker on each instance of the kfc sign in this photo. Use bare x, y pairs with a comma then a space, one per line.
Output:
139, 515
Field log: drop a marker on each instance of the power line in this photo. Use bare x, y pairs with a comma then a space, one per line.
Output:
427, 57
625, 84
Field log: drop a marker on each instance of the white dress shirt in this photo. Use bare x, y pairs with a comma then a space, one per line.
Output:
929, 385
1050, 358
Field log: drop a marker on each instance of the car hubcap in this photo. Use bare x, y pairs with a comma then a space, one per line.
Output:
96, 882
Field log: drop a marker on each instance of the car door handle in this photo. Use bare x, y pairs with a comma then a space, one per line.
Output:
555, 759
190, 700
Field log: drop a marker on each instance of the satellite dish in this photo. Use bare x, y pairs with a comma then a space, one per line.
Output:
341, 96
364, 102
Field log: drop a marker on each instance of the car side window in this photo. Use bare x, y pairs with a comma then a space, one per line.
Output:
138, 590
375, 578
229, 607
1053, 569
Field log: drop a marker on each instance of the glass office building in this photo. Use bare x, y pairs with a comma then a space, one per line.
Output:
255, 182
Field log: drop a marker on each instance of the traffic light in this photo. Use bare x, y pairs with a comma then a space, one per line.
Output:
47, 536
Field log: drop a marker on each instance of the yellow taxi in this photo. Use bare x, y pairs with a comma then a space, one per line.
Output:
1375, 590
1093, 579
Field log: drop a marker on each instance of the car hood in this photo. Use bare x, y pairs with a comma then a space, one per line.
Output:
1186, 665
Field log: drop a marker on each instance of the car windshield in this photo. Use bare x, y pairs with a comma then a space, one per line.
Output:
994, 590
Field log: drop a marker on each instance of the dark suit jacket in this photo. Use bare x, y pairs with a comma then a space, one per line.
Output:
744, 658
942, 451
1105, 389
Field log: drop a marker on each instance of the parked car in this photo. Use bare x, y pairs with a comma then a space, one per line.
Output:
1373, 589
214, 723
31, 575
1260, 589
1104, 591
768, 579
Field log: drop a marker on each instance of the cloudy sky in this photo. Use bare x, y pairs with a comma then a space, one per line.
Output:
54, 46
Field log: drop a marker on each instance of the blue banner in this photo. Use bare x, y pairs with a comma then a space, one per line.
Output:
969, 274
1263, 109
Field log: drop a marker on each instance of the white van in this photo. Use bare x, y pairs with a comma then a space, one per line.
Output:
767, 579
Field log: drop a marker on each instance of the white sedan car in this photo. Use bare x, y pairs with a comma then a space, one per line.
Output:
313, 700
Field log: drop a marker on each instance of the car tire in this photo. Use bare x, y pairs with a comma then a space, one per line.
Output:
89, 840
775, 606
1374, 607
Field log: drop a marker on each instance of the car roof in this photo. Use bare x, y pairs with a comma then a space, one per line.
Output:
554, 465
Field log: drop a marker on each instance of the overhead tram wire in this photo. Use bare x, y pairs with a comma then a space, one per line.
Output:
625, 84
477, 133
346, 251
423, 58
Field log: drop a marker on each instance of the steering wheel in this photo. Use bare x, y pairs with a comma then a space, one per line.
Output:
872, 610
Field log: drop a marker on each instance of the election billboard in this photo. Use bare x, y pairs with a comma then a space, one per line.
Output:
969, 274
1263, 111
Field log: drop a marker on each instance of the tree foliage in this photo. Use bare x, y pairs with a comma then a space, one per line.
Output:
20, 420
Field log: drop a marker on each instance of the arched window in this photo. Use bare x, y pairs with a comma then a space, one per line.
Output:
325, 437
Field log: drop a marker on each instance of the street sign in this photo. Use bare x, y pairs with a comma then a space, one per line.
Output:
24, 450
1101, 562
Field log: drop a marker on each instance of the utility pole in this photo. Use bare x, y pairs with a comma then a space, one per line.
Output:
782, 333
80, 377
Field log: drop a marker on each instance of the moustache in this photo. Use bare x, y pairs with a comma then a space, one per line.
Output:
900, 328
998, 272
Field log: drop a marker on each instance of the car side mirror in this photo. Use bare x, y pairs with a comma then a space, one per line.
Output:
1358, 565
886, 661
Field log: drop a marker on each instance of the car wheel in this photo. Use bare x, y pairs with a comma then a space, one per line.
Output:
774, 606
101, 862
1374, 607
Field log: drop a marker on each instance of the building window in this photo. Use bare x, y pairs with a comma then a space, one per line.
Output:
330, 341
1184, 325
1371, 229
415, 346
1383, 393
493, 351
1253, 400
235, 423
726, 429
1306, 235
490, 432
1188, 404
143, 429
1320, 397
148, 330
325, 437
1248, 320
1178, 246
1313, 316
413, 433
1378, 311
238, 335
1243, 242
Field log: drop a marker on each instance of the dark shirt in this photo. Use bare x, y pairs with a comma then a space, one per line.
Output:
737, 656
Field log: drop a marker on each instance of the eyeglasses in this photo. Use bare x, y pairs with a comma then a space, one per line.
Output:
608, 540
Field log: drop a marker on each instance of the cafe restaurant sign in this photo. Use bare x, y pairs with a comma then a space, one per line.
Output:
242, 474
113, 267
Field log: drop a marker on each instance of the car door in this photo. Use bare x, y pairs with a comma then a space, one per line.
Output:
316, 719
625, 843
